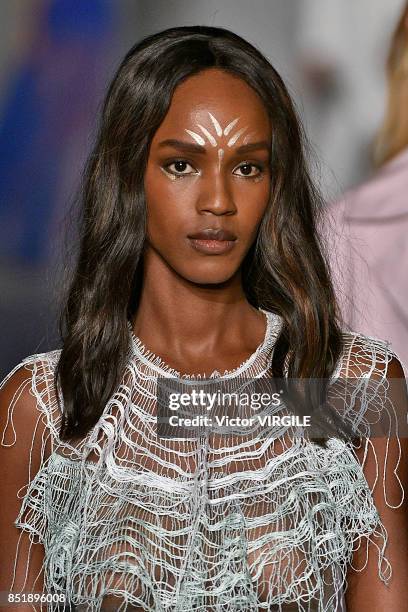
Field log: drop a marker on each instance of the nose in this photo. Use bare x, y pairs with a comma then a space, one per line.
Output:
216, 197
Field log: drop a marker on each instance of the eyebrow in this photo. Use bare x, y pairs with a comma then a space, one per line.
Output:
190, 147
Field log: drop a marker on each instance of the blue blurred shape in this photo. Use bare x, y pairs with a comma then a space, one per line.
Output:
49, 101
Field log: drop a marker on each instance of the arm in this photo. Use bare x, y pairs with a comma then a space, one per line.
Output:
21, 454
365, 589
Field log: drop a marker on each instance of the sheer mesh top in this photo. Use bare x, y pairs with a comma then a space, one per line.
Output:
131, 521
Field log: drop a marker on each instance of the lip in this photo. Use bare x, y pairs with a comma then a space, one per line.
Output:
212, 247
213, 233
213, 241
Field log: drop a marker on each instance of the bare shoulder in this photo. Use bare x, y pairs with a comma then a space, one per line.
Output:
369, 357
383, 585
27, 393
27, 434
15, 389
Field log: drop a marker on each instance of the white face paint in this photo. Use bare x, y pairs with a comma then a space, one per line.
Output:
220, 156
172, 177
247, 138
213, 139
219, 132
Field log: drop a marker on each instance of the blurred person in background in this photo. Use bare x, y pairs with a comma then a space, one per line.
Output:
340, 66
370, 259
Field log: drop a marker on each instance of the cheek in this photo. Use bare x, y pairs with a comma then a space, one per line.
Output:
168, 208
252, 204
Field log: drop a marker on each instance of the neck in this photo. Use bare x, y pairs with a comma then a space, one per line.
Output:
178, 316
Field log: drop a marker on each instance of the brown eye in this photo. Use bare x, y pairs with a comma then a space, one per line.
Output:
249, 170
178, 168
246, 169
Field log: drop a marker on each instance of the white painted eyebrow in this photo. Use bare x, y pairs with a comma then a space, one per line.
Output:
210, 137
230, 126
247, 137
199, 140
234, 138
217, 126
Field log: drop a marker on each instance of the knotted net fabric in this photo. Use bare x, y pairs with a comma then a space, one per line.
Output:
129, 521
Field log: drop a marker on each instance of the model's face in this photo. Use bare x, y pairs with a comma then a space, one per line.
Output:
208, 169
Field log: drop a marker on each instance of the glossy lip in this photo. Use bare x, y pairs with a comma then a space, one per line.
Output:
212, 241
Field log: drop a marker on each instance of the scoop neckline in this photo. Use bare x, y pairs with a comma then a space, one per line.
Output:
158, 364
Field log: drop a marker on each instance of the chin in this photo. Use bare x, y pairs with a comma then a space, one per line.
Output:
217, 276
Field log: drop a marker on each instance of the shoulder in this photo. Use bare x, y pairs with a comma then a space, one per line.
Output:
368, 356
369, 388
383, 456
27, 394
36, 369
383, 195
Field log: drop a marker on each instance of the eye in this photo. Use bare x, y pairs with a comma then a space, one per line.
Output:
179, 168
247, 169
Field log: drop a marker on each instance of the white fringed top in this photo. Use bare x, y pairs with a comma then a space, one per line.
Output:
133, 522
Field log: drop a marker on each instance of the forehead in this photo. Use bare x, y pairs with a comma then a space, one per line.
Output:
225, 96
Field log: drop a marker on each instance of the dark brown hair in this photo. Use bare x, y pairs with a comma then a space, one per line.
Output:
283, 272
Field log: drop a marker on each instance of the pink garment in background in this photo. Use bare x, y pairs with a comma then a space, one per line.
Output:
368, 251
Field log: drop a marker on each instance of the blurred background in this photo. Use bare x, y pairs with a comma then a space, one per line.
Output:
56, 58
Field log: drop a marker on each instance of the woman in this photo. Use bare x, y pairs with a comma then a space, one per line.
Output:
372, 220
199, 260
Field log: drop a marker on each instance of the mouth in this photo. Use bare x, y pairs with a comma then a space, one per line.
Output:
213, 241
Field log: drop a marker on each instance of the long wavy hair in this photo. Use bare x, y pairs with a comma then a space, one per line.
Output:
392, 137
284, 271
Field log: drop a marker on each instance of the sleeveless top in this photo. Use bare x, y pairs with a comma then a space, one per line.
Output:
131, 521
